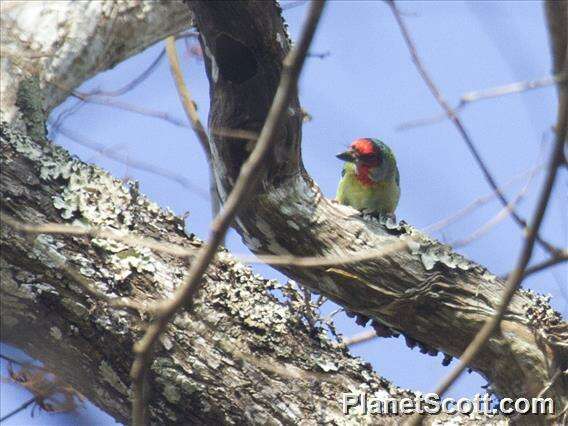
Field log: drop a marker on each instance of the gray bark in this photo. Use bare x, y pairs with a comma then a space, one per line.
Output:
241, 355
426, 292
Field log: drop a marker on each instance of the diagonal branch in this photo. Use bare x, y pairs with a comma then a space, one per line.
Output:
493, 92
247, 180
541, 266
425, 291
193, 117
458, 123
515, 278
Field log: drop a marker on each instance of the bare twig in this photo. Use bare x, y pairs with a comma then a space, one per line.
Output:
560, 257
329, 260
293, 4
457, 122
235, 133
545, 389
126, 106
180, 251
103, 96
319, 55
552, 382
50, 393
15, 361
127, 238
478, 202
494, 92
516, 277
24, 363
520, 86
132, 84
333, 313
362, 337
248, 179
499, 217
18, 409
116, 302
193, 117
135, 164
185, 96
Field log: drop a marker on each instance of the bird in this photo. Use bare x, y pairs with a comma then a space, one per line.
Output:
370, 181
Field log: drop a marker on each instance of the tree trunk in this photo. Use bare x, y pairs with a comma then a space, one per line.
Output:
241, 356
424, 290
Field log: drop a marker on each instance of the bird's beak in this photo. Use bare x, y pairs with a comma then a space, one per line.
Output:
346, 156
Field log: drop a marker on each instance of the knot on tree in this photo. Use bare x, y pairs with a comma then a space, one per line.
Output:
236, 61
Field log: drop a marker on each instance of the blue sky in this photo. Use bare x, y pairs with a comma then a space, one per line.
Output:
367, 87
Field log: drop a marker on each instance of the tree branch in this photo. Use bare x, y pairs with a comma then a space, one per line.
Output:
226, 362
451, 114
208, 369
62, 63
425, 291
515, 278
247, 182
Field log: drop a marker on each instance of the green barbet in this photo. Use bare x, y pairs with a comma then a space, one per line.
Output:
369, 181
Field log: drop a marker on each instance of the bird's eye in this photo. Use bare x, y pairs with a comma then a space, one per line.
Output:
370, 159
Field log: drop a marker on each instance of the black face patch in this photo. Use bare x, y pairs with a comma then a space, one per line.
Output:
369, 159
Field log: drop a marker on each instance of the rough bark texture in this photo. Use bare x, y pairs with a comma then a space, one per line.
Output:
219, 364
427, 292
241, 357
64, 43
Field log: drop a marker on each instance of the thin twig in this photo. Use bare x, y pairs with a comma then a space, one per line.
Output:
362, 337
235, 133
560, 257
185, 96
458, 123
330, 260
493, 92
126, 106
495, 220
132, 84
520, 86
93, 232
23, 363
545, 389
333, 313
293, 4
135, 164
84, 97
116, 302
17, 410
478, 202
518, 273
284, 260
319, 55
246, 182
193, 117
180, 251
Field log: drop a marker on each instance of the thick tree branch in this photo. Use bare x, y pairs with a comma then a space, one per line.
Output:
68, 50
243, 357
246, 182
427, 292
224, 363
